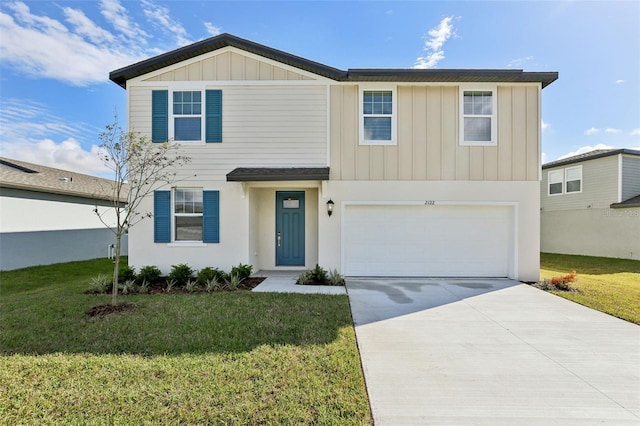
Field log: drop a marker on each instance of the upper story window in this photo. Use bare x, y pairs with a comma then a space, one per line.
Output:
565, 181
378, 116
478, 116
191, 116
573, 179
187, 115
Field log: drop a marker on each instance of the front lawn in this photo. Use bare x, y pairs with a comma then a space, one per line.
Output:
220, 358
608, 285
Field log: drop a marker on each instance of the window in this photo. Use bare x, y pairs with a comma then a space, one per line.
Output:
565, 181
556, 181
573, 179
187, 209
377, 117
186, 215
188, 117
478, 117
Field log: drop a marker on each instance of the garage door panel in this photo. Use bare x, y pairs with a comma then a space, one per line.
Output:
418, 240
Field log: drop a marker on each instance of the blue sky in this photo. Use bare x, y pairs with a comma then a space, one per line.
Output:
55, 95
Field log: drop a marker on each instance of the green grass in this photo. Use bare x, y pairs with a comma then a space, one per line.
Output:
221, 358
608, 285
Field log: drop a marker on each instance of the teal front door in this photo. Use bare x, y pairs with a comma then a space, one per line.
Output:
289, 228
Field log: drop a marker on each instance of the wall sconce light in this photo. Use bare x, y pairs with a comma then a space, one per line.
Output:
330, 205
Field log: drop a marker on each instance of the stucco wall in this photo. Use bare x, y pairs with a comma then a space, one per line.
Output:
592, 232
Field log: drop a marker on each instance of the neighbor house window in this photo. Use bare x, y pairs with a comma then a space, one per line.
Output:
573, 179
187, 210
478, 117
377, 117
556, 181
186, 215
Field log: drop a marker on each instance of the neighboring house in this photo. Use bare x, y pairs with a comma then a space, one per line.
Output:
429, 172
590, 204
47, 215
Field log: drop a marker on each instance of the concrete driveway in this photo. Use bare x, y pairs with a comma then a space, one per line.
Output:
491, 352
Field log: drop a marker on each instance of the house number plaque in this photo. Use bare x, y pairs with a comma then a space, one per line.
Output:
430, 203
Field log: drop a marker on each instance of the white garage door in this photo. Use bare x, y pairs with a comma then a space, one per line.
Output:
436, 241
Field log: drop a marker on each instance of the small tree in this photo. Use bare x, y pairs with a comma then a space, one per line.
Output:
139, 167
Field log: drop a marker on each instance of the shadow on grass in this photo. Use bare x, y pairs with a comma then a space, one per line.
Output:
45, 323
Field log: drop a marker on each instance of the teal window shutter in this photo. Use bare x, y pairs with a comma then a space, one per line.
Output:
211, 216
213, 99
159, 116
162, 216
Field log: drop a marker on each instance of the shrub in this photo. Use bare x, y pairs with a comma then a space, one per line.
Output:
319, 274
305, 278
180, 274
234, 281
191, 286
144, 288
562, 282
208, 273
99, 284
126, 273
128, 287
170, 285
242, 271
335, 278
149, 274
213, 284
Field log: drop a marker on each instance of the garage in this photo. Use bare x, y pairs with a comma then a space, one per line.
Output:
427, 240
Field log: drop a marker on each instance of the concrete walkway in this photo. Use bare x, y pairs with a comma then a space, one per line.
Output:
491, 352
285, 282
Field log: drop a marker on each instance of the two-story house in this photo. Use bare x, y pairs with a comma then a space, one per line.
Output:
394, 172
590, 204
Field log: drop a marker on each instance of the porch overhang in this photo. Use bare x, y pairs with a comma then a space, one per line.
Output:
270, 174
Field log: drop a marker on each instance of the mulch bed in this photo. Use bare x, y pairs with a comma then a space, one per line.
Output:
102, 310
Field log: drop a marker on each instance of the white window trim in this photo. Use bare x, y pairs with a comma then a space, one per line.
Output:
172, 135
173, 217
494, 116
394, 113
566, 172
549, 182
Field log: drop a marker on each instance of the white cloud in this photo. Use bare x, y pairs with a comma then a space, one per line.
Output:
591, 131
212, 29
118, 16
635, 132
612, 130
619, 81
160, 17
86, 27
519, 62
544, 158
545, 125
43, 47
434, 40
585, 149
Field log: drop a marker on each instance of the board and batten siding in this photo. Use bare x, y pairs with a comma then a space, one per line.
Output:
262, 126
228, 66
599, 186
428, 145
630, 177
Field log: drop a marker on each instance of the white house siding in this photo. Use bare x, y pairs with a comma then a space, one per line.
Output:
428, 146
262, 126
520, 197
599, 187
630, 177
39, 228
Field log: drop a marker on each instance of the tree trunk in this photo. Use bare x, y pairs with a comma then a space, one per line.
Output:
116, 268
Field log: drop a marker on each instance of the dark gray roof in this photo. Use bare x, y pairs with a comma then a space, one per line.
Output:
631, 202
591, 155
121, 75
261, 174
34, 177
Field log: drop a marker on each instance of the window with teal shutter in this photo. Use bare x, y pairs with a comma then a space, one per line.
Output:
211, 217
213, 100
159, 116
162, 216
